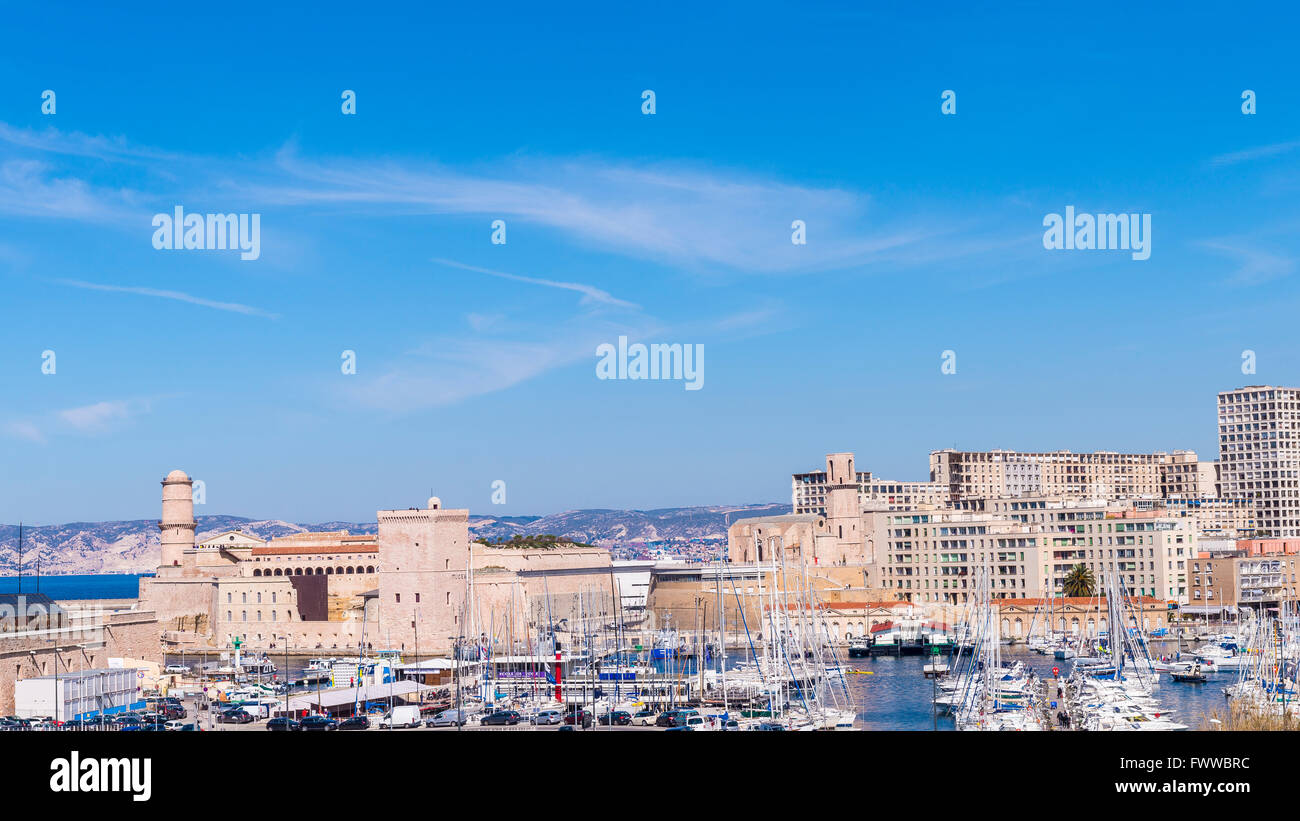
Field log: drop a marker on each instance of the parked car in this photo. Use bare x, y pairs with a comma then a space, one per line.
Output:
770, 726
282, 725
403, 715
547, 717
176, 668
318, 722
696, 722
578, 717
176, 725
449, 718
354, 723
644, 718
235, 715
666, 718
501, 717
616, 718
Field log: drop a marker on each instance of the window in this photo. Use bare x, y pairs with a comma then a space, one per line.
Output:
398, 596
417, 598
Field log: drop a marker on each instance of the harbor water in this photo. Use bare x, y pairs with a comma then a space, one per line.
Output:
101, 586
897, 696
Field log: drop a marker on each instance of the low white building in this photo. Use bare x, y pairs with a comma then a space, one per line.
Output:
80, 693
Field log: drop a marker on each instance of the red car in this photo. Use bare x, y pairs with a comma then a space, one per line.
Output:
578, 717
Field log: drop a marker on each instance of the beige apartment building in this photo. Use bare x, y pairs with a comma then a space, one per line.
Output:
1259, 454
1029, 547
1103, 474
935, 555
1229, 582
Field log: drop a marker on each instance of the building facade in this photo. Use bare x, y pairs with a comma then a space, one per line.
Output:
1259, 454
1102, 474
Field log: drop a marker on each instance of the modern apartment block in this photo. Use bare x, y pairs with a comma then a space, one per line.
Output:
1147, 549
1029, 547
1259, 454
1215, 518
1103, 474
1230, 582
936, 555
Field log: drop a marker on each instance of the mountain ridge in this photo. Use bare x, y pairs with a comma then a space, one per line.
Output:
132, 545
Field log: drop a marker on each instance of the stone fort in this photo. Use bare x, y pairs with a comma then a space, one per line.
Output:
417, 585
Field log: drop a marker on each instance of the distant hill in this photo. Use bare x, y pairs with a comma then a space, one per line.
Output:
133, 546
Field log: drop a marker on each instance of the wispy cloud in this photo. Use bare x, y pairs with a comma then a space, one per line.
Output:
181, 296
25, 430
75, 143
672, 213
676, 213
1257, 153
450, 370
589, 293
96, 418
1257, 264
32, 188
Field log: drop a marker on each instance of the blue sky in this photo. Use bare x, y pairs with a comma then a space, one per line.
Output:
924, 235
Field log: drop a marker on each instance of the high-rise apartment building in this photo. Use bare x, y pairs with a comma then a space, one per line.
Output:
1259, 454
997, 474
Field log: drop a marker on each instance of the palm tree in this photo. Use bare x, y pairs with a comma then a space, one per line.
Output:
1079, 582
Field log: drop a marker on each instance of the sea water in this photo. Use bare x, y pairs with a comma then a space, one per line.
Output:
897, 696
105, 586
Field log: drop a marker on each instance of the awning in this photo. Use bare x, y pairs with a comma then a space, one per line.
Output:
1207, 609
338, 696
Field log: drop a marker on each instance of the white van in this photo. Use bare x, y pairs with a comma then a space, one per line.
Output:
407, 715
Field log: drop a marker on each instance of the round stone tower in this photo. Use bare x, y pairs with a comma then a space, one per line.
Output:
177, 523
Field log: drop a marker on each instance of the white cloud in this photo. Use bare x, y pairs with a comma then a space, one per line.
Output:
25, 430
1256, 153
589, 293
99, 416
1256, 263
181, 296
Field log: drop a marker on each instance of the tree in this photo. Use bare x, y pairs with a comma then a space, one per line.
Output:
1079, 582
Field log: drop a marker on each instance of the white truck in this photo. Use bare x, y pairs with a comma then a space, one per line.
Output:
407, 715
